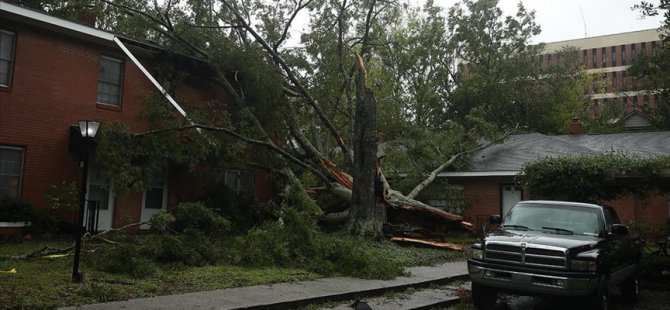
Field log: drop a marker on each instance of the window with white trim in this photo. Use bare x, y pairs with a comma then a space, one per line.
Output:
11, 171
7, 47
110, 81
154, 193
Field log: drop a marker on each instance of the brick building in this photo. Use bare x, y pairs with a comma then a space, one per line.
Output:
53, 73
609, 56
490, 188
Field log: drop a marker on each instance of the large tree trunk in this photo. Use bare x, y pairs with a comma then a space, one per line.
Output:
366, 217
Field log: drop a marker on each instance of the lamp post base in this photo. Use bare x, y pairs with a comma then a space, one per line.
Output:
78, 277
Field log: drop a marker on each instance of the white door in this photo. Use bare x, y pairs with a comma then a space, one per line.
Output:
154, 199
101, 191
511, 194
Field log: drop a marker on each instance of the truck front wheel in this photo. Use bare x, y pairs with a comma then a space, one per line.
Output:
600, 299
483, 297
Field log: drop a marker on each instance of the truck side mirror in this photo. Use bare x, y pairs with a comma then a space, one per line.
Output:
619, 230
495, 219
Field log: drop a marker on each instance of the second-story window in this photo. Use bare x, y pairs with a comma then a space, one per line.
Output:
603, 54
613, 56
7, 43
110, 81
653, 48
623, 55
633, 53
593, 58
585, 59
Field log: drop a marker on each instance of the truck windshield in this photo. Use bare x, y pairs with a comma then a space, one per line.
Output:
552, 218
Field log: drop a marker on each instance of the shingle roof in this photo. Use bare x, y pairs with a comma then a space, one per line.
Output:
517, 150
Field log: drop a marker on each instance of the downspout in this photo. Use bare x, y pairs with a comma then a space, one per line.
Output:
153, 80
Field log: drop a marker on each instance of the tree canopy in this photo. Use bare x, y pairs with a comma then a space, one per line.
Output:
366, 71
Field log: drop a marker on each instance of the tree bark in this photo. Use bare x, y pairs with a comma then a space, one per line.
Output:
366, 217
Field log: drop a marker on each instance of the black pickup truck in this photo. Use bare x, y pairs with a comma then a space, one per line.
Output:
556, 248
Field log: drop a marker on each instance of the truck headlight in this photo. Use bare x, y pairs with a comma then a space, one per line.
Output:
583, 265
476, 253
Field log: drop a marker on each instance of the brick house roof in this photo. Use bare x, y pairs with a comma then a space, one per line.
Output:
516, 150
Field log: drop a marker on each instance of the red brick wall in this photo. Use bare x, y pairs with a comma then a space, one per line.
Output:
483, 196
53, 87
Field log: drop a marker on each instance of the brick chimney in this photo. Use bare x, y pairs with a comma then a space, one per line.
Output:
87, 17
575, 126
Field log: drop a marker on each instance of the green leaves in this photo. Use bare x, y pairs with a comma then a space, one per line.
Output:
597, 178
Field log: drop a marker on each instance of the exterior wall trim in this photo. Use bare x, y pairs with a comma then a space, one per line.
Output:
509, 173
54, 21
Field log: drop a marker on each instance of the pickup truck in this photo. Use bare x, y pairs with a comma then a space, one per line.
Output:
556, 248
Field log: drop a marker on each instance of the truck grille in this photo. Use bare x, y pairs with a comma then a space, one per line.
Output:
531, 255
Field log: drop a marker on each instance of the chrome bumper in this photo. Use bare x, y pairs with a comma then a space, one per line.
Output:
531, 283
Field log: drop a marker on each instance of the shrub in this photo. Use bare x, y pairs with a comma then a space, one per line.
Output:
15, 210
125, 259
197, 217
655, 268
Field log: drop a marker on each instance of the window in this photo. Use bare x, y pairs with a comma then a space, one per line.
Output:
653, 48
614, 84
11, 171
585, 59
643, 48
635, 105
603, 54
232, 180
593, 58
624, 80
153, 195
633, 53
613, 56
109, 81
549, 60
623, 55
625, 104
6, 57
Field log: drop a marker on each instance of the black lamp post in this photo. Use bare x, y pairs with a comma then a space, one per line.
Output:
88, 130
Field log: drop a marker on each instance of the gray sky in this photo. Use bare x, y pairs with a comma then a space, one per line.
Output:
562, 19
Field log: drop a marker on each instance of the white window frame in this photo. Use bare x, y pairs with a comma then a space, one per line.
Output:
12, 57
163, 180
120, 82
20, 175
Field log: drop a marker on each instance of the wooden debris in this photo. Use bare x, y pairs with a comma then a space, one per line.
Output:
446, 245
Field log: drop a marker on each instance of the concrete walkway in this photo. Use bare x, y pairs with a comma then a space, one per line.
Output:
293, 294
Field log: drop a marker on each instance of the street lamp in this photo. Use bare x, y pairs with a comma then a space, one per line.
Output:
88, 129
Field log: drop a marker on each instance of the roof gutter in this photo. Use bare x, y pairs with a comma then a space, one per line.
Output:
509, 173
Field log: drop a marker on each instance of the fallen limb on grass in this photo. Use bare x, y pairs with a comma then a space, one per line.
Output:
446, 245
49, 251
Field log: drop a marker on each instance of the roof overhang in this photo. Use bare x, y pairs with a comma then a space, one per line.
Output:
36, 18
509, 173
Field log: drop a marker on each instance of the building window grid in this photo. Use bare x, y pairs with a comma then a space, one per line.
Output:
7, 50
594, 64
110, 81
653, 48
11, 171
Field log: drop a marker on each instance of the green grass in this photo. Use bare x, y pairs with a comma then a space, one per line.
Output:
45, 283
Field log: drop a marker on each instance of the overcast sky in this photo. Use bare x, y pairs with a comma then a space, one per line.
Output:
562, 19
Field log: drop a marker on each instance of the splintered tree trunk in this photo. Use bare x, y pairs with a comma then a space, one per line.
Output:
366, 218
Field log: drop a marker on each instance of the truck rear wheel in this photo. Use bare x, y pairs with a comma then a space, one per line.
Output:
483, 297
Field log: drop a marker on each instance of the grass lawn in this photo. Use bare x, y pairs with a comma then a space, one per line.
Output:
45, 283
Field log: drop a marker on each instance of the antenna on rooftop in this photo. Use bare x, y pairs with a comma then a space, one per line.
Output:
586, 33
